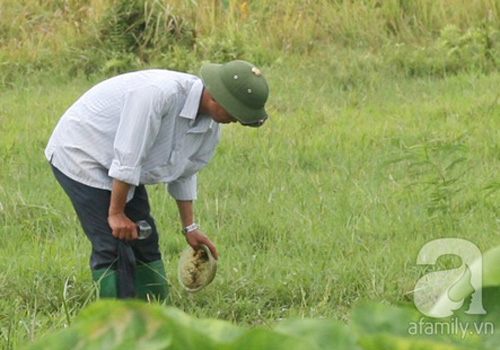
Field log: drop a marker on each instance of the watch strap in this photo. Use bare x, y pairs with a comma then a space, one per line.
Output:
190, 228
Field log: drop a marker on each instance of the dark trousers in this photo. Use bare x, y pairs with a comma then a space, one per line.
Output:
91, 205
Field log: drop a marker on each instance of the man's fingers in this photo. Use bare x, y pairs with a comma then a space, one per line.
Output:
212, 248
125, 234
130, 234
195, 238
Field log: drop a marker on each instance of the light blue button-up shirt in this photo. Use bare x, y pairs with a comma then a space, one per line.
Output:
141, 127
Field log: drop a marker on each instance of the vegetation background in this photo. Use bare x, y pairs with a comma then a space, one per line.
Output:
384, 135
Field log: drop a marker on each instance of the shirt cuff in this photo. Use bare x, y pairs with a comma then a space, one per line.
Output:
130, 175
183, 189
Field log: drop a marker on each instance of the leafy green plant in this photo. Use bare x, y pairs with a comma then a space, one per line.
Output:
136, 325
437, 165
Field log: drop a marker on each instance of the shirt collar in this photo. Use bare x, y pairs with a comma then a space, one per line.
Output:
191, 107
193, 100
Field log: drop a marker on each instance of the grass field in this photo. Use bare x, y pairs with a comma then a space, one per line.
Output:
361, 163
325, 206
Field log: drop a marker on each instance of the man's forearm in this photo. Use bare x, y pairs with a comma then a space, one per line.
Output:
119, 193
194, 237
186, 212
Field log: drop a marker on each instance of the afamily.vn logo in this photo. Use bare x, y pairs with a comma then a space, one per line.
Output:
440, 293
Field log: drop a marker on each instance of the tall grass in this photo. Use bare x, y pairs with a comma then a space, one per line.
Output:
108, 37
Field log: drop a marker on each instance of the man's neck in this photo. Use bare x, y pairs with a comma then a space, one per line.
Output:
205, 96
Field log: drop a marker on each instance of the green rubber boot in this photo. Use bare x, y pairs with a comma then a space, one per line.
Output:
106, 280
151, 281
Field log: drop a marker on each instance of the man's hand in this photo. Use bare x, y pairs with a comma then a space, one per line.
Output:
122, 227
196, 237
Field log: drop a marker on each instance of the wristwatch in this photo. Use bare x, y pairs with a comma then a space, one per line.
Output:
189, 228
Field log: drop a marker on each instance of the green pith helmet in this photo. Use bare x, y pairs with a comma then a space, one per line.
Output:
240, 88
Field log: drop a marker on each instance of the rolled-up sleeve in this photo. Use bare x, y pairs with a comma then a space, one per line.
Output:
124, 173
139, 125
184, 188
